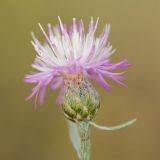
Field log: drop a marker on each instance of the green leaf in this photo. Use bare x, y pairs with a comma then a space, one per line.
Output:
113, 128
74, 136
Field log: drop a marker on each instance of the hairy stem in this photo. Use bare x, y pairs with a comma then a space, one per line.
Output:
84, 132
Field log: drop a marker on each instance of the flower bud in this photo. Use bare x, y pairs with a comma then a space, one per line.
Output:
80, 101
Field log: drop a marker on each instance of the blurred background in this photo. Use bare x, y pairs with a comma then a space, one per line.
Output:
26, 134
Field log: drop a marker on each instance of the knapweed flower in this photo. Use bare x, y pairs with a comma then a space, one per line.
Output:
71, 57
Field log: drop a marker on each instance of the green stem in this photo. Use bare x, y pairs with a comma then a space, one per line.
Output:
84, 131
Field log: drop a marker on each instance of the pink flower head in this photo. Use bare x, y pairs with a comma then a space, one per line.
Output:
71, 51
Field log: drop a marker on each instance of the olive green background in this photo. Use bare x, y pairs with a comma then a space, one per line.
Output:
26, 134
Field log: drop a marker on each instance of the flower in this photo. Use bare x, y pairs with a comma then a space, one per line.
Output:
70, 52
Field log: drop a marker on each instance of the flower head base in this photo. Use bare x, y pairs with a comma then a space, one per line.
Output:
68, 52
80, 101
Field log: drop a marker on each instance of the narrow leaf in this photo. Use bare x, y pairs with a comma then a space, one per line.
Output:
74, 136
113, 128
